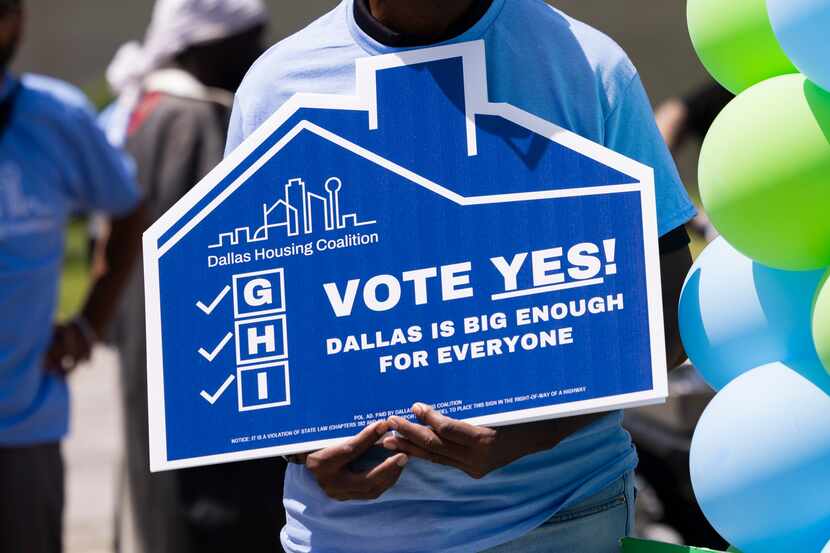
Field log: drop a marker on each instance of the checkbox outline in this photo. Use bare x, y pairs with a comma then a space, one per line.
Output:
272, 310
239, 370
280, 354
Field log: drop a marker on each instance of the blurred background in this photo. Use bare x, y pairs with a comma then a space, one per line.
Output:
75, 41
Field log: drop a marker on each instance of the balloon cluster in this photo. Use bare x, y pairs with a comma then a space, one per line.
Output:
755, 309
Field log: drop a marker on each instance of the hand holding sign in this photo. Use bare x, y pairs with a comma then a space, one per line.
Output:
476, 450
331, 467
472, 449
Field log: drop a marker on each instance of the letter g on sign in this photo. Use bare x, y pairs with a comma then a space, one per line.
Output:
258, 292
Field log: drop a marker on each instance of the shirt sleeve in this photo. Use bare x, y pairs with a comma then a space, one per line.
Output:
100, 177
236, 133
630, 129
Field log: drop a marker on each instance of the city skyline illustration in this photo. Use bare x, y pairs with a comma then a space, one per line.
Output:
299, 211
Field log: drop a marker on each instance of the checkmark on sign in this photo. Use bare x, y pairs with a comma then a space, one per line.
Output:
213, 398
208, 309
211, 355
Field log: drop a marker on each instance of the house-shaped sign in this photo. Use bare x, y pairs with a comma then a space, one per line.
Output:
412, 242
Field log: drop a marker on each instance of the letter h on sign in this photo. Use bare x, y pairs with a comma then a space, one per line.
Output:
261, 340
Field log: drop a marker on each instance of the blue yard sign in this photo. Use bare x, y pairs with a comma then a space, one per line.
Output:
413, 242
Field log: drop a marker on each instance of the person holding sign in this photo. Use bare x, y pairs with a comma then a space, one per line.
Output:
443, 485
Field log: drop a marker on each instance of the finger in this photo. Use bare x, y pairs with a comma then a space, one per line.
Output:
52, 359
394, 443
375, 482
388, 472
447, 428
425, 438
71, 354
57, 357
54, 367
343, 454
68, 363
78, 344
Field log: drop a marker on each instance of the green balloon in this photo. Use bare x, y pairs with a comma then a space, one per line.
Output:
735, 41
821, 321
765, 173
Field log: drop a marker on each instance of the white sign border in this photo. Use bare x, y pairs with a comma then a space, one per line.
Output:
473, 57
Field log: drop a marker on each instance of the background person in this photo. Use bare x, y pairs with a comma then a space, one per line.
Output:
54, 162
554, 486
175, 95
690, 116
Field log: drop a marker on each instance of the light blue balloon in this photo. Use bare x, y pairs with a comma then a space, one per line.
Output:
760, 462
826, 548
802, 27
736, 314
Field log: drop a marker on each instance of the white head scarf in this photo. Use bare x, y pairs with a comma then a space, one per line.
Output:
175, 26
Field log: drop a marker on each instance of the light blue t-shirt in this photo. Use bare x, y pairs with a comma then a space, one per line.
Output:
544, 62
54, 161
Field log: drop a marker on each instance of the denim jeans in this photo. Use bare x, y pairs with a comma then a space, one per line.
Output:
594, 525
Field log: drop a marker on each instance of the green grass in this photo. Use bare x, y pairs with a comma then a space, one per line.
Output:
75, 280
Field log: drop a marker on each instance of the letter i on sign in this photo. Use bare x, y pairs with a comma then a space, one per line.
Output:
262, 386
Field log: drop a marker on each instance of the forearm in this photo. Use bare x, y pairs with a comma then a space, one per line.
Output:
122, 249
674, 268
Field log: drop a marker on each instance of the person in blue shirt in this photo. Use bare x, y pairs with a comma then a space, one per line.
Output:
54, 162
561, 486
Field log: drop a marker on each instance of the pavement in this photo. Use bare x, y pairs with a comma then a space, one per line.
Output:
92, 454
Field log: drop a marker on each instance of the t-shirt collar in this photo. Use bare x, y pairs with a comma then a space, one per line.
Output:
372, 46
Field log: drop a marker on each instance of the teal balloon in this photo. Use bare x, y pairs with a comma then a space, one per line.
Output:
760, 462
736, 314
801, 27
